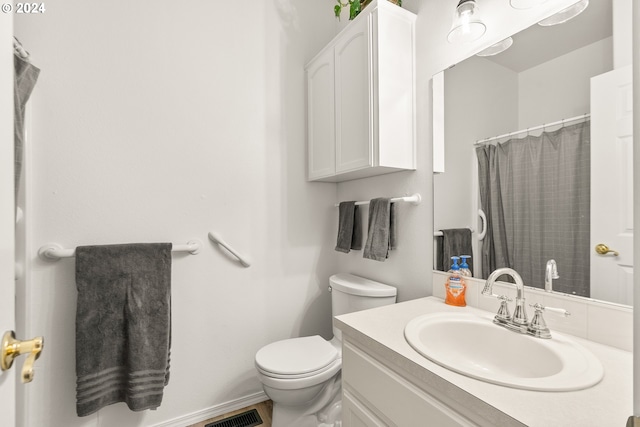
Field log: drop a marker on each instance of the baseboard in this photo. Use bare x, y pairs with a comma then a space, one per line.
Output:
214, 411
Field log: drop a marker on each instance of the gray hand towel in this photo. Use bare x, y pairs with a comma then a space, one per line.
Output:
454, 242
123, 325
382, 233
349, 227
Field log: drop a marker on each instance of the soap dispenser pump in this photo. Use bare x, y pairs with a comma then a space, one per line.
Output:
464, 266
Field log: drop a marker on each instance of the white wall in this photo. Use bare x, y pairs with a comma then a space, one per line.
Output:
157, 121
560, 88
622, 27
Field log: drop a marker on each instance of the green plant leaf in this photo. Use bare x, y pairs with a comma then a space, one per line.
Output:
355, 8
337, 9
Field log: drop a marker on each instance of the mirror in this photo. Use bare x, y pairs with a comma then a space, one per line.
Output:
543, 78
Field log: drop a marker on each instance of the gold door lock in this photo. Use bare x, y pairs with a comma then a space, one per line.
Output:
12, 348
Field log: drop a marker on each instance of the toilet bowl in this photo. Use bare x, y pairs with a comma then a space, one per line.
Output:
302, 376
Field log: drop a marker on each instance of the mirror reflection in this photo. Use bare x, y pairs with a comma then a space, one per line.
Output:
526, 131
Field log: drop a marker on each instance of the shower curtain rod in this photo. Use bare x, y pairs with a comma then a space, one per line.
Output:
527, 130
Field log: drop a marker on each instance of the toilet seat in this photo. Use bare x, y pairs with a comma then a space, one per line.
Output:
296, 358
300, 382
297, 363
294, 376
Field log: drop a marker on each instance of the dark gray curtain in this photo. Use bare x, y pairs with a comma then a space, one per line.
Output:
535, 192
26, 76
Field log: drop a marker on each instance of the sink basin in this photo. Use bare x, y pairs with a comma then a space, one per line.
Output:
474, 346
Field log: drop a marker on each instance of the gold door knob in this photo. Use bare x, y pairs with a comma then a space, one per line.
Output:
12, 348
603, 249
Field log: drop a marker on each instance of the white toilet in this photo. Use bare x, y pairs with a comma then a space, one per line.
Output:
302, 375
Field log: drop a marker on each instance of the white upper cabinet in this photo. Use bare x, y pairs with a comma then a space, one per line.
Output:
361, 98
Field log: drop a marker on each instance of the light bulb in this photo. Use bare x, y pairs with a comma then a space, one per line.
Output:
467, 25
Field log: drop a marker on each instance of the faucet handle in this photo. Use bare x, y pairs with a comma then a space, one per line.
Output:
538, 327
503, 316
558, 311
500, 297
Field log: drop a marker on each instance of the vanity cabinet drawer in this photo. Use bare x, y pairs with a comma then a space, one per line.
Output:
356, 414
389, 396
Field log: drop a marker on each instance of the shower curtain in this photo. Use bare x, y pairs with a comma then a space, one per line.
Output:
535, 192
25, 79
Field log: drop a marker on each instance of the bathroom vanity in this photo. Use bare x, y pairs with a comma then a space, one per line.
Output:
387, 382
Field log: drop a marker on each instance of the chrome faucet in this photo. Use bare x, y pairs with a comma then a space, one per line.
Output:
518, 321
550, 273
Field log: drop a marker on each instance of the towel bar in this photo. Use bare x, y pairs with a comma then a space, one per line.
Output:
414, 199
54, 252
440, 233
483, 217
215, 238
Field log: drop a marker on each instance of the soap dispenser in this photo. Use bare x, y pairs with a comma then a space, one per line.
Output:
455, 288
464, 266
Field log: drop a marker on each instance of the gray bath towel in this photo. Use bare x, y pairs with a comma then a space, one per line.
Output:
349, 227
382, 229
123, 325
453, 242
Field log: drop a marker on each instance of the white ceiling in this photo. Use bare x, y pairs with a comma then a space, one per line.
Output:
538, 44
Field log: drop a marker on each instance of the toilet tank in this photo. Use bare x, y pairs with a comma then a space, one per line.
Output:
351, 293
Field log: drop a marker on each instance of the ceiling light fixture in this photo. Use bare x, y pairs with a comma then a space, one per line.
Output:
525, 4
497, 48
467, 25
565, 14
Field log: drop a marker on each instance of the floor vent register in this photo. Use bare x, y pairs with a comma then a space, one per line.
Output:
246, 419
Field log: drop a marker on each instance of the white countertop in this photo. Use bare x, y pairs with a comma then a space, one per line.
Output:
608, 403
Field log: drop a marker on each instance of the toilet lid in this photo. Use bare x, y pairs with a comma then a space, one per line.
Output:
296, 356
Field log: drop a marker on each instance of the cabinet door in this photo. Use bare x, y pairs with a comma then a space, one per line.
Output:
353, 97
393, 396
321, 116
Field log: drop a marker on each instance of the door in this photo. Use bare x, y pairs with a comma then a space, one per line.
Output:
612, 186
354, 119
321, 116
7, 221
